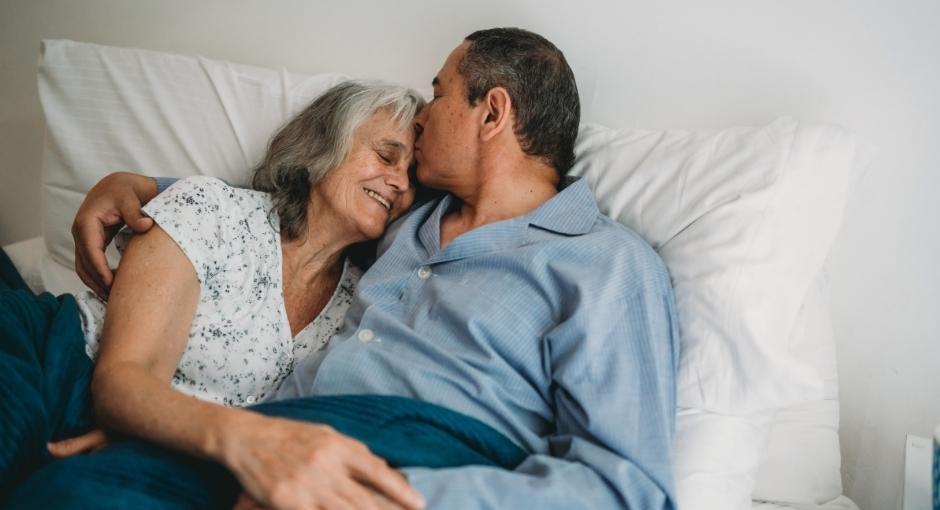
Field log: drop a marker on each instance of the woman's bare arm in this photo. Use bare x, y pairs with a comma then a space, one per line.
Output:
149, 315
281, 463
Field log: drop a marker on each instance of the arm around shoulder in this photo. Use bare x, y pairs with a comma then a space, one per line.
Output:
114, 201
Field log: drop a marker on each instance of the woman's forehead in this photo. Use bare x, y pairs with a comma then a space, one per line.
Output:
384, 130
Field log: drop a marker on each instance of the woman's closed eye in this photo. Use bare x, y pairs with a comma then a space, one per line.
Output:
389, 152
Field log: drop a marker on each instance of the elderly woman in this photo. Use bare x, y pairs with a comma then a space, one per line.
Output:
211, 308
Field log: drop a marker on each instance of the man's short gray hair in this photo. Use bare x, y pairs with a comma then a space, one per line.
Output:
319, 139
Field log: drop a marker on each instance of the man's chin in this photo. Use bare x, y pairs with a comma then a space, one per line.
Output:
425, 177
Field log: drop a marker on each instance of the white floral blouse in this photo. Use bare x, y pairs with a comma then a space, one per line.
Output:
240, 347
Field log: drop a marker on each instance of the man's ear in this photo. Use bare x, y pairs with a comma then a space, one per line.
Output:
498, 113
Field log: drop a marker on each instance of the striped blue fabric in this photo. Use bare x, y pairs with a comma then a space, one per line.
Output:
558, 328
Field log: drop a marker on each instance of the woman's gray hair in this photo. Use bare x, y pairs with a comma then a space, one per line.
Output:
319, 139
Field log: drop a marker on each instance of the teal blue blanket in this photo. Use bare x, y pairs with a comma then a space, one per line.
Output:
44, 381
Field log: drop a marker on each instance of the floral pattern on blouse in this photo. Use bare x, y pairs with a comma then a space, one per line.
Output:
240, 347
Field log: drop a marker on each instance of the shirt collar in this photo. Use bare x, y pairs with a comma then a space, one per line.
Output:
571, 212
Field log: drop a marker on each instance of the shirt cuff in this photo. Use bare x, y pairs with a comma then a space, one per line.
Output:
164, 182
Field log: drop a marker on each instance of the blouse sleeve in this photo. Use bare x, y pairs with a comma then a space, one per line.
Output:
196, 212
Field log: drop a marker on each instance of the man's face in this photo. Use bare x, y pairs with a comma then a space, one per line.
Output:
447, 146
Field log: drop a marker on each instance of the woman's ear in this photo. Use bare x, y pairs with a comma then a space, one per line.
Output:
498, 113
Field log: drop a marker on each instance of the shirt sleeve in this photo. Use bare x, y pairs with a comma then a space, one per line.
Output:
613, 371
193, 212
164, 182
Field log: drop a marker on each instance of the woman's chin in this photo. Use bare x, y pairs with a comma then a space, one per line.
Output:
372, 230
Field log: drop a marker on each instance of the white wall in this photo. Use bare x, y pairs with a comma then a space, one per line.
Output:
871, 66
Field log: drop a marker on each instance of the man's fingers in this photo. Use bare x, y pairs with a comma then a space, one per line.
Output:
375, 472
89, 251
90, 276
80, 444
97, 264
85, 275
134, 217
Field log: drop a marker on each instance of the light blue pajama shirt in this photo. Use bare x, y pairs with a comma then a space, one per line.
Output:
558, 328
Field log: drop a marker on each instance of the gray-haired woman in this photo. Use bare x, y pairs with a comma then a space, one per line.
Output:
231, 286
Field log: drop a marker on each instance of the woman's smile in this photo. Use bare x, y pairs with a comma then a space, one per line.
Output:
385, 202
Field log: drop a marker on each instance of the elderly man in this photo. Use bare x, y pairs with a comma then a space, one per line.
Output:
509, 298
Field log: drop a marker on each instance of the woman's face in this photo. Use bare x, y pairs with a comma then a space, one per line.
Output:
372, 187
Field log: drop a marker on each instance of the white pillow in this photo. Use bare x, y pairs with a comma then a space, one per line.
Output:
840, 503
109, 109
787, 456
802, 460
744, 219
716, 458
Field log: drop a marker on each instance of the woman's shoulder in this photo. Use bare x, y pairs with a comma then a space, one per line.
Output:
201, 190
209, 207
213, 188
199, 182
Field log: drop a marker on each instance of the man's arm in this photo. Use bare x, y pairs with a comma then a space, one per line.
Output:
114, 201
613, 367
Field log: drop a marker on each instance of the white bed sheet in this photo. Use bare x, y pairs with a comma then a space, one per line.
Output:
840, 503
40, 271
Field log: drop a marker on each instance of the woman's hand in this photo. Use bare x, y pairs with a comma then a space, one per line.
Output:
114, 201
286, 464
85, 443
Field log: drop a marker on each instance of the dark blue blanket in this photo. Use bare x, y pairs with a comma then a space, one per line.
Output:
44, 383
44, 380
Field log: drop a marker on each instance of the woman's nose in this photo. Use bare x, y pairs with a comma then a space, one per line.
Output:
399, 179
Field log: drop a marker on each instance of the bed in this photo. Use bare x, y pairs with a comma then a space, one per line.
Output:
744, 217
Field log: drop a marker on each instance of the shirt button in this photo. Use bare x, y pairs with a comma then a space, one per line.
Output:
366, 335
424, 272
250, 399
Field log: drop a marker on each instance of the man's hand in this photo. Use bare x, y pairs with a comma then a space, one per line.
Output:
114, 201
285, 465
